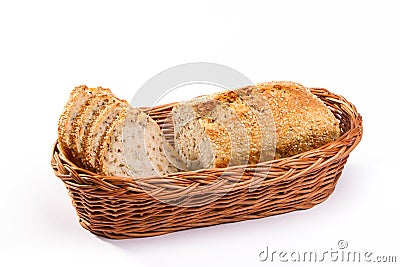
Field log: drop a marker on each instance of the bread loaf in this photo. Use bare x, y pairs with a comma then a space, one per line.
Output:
280, 117
218, 130
302, 121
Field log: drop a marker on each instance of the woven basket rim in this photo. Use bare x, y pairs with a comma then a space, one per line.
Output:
356, 126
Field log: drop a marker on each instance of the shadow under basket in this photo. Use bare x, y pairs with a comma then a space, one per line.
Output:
120, 207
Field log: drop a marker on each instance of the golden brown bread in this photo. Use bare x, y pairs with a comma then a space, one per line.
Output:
84, 122
248, 119
94, 118
302, 121
244, 126
77, 100
280, 117
97, 129
85, 115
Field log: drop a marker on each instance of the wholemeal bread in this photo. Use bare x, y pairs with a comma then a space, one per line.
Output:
302, 121
89, 112
219, 130
244, 126
135, 146
97, 130
98, 107
280, 117
253, 112
77, 100
104, 134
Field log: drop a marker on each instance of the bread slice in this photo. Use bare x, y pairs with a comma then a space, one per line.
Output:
251, 109
96, 131
214, 131
135, 146
77, 99
281, 119
224, 129
261, 123
95, 107
65, 118
87, 113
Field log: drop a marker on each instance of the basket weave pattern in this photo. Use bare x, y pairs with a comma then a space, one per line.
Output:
117, 207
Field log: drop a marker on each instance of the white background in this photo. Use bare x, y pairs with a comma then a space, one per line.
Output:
47, 47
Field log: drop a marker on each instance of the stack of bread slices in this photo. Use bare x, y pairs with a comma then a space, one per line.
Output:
249, 125
105, 134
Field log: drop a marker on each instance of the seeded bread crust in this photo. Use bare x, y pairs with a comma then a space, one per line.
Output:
281, 113
78, 98
224, 139
246, 110
98, 107
220, 141
260, 123
64, 118
89, 132
251, 111
91, 113
87, 113
302, 121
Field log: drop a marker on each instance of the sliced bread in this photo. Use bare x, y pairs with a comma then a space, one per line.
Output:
97, 106
213, 131
77, 100
96, 130
87, 113
280, 119
135, 146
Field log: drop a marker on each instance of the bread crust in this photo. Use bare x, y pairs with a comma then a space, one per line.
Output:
231, 147
302, 121
87, 112
77, 99
293, 121
223, 123
237, 102
64, 118
97, 107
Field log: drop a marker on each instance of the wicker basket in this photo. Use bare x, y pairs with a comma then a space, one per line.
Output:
118, 208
